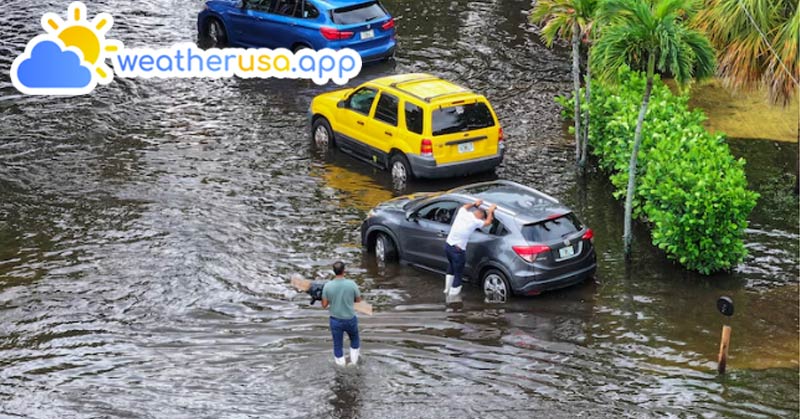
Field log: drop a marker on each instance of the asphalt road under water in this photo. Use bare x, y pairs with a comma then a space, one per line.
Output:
148, 230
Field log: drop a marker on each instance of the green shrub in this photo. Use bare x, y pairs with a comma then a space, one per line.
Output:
689, 187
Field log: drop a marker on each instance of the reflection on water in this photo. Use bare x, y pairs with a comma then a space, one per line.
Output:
147, 233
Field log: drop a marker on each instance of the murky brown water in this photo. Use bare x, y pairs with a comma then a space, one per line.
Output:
147, 233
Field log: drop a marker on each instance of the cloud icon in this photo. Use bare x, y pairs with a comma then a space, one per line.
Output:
48, 68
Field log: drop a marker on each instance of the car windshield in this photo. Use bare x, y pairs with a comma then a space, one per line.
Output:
359, 13
461, 118
552, 230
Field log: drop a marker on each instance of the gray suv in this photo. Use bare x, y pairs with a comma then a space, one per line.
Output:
535, 243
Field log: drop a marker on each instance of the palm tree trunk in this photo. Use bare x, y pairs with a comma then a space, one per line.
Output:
585, 140
576, 80
637, 141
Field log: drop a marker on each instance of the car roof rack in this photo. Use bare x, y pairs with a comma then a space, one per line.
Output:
423, 78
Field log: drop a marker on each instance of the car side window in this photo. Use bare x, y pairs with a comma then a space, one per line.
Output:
496, 228
260, 5
361, 100
413, 118
441, 212
284, 7
306, 10
386, 110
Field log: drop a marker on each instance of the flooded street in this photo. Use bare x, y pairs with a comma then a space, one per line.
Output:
148, 232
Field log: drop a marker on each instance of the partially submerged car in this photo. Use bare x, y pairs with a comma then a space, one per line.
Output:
535, 243
364, 26
415, 125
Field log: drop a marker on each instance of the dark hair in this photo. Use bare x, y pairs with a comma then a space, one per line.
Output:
338, 268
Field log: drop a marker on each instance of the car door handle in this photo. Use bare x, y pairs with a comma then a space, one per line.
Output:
441, 234
388, 133
360, 123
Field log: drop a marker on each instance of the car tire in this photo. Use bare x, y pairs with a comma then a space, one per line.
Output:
400, 169
385, 249
322, 134
496, 287
298, 47
215, 34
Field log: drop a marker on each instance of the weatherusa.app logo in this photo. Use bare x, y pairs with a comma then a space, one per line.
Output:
69, 59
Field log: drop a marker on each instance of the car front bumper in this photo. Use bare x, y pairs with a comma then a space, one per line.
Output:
426, 167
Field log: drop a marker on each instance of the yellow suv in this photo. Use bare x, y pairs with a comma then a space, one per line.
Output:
413, 124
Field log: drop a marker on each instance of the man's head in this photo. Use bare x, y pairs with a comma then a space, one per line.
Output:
479, 214
338, 268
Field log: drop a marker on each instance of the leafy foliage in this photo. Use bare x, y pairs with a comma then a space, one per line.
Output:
745, 60
690, 189
635, 31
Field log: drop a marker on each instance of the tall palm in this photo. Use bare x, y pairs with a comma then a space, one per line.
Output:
757, 43
649, 35
567, 19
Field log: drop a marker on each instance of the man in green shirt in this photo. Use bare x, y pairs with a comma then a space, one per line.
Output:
339, 296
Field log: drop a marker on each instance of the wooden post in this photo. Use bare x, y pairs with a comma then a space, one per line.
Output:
723, 349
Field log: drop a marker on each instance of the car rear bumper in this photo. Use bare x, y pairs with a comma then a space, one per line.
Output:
535, 284
378, 53
426, 167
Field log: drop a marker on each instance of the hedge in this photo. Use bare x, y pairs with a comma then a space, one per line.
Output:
689, 188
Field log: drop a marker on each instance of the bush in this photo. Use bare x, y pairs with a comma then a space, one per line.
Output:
689, 187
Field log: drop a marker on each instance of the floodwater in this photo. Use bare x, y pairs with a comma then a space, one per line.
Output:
148, 231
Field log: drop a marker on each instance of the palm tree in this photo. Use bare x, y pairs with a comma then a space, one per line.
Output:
567, 19
649, 35
757, 43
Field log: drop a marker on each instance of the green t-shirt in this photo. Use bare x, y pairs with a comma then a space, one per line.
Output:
341, 295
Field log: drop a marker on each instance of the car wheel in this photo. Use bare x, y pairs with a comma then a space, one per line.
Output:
215, 34
400, 169
298, 47
495, 286
385, 249
322, 134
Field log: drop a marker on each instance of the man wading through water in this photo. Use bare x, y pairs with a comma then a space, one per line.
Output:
339, 296
469, 218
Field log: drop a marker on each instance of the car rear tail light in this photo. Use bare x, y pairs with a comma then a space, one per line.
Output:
389, 24
333, 34
426, 148
588, 235
501, 139
529, 253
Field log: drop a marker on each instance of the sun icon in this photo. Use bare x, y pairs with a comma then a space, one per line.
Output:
88, 37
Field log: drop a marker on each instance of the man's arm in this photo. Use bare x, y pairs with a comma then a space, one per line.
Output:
325, 302
475, 204
489, 215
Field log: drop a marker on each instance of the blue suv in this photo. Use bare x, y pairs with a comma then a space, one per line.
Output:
364, 26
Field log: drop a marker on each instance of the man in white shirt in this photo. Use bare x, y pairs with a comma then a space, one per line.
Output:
468, 219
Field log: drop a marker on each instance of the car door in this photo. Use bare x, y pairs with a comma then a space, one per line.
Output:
250, 24
351, 122
382, 127
426, 232
283, 22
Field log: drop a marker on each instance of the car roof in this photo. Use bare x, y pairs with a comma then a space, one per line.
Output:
526, 204
425, 87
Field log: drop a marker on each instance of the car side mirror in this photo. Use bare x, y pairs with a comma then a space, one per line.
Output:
412, 216
341, 104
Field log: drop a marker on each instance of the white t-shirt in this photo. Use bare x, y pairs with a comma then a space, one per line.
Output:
463, 226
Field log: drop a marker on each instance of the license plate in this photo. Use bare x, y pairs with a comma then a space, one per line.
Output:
566, 252
466, 148
368, 34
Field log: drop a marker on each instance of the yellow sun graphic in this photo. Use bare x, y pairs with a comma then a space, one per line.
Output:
88, 37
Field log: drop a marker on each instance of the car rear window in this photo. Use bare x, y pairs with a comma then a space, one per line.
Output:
552, 230
461, 118
358, 13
